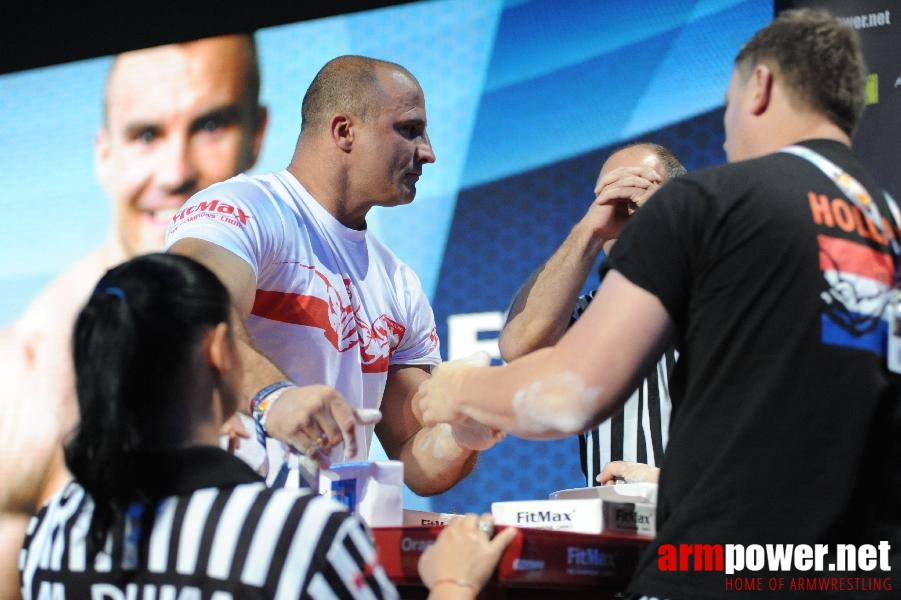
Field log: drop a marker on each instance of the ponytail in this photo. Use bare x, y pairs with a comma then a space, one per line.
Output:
102, 454
133, 346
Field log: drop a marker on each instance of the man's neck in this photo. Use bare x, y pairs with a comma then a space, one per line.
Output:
330, 191
793, 127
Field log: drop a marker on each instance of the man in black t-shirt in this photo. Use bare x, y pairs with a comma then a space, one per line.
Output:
773, 276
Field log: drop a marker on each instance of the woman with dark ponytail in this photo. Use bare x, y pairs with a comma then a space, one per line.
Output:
151, 347
156, 509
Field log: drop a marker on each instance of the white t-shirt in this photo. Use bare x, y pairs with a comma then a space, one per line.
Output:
333, 305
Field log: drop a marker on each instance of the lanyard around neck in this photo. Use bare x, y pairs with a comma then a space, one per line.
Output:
858, 194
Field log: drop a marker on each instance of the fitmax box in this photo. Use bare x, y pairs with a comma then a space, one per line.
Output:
623, 515
627, 508
582, 516
621, 492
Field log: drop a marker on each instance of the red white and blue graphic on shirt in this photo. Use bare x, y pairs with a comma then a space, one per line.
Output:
859, 276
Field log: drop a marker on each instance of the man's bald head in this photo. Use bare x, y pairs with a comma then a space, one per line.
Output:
645, 154
348, 84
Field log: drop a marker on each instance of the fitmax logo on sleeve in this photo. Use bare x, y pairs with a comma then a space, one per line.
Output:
233, 215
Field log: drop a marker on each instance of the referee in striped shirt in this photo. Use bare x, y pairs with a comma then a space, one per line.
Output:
156, 510
630, 445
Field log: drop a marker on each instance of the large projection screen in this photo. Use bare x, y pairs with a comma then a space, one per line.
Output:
525, 100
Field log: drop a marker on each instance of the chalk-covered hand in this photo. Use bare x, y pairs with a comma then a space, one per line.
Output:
436, 398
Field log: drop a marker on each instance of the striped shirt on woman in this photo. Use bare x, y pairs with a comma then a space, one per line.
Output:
212, 531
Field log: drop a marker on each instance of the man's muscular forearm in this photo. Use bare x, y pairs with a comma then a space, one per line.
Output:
434, 462
259, 370
541, 310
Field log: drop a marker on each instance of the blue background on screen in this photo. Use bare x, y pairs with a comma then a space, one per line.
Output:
525, 100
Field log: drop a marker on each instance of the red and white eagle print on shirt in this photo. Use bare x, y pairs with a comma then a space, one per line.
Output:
341, 322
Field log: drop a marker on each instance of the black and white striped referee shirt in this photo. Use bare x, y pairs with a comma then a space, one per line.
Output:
218, 533
640, 431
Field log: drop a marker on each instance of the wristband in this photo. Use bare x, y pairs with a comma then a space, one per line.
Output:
262, 401
260, 404
266, 405
457, 582
261, 395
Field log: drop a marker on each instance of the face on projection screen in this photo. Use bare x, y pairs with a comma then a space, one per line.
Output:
524, 102
65, 200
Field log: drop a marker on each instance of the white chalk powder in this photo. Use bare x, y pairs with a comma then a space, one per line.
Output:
560, 403
437, 441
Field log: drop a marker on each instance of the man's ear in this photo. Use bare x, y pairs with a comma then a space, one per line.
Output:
761, 89
218, 350
342, 129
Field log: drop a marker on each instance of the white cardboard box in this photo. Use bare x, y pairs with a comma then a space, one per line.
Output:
626, 509
586, 515
621, 492
373, 490
582, 515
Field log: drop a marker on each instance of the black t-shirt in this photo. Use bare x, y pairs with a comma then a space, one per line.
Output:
785, 417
